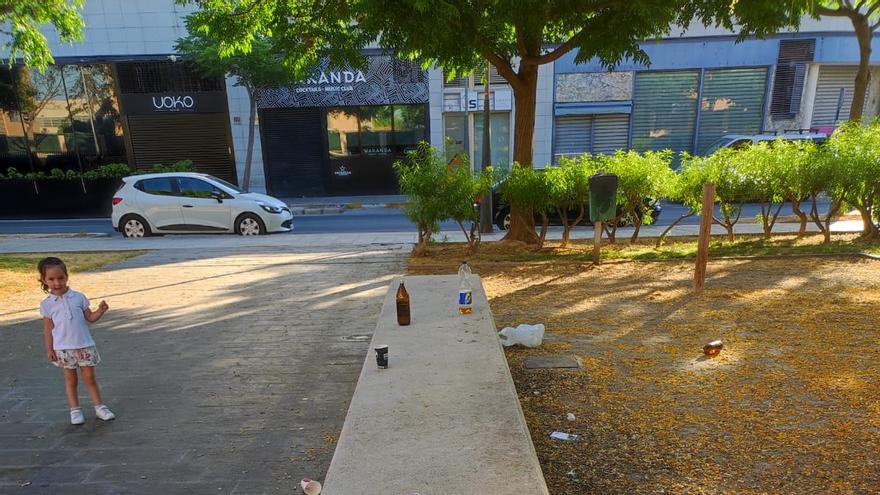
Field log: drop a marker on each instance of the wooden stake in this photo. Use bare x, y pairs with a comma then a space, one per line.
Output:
597, 241
705, 235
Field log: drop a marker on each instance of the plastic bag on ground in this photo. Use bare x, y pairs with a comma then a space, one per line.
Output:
527, 335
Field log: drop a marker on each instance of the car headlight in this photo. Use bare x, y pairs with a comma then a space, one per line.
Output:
270, 208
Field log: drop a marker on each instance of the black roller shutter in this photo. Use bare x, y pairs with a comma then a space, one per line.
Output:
168, 138
294, 151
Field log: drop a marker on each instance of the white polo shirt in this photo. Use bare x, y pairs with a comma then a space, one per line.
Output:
71, 328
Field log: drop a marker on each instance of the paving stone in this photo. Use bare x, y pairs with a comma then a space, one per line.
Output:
540, 362
208, 355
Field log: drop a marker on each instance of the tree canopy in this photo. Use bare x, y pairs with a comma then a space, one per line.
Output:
21, 21
516, 36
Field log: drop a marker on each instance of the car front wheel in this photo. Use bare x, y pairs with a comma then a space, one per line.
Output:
133, 226
249, 224
504, 221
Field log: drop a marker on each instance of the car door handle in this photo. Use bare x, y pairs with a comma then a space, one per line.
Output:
187, 206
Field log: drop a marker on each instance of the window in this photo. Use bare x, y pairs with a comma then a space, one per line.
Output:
499, 140
377, 130
455, 135
195, 188
342, 133
13, 143
409, 127
386, 130
161, 186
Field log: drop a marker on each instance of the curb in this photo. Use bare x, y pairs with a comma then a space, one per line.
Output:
79, 235
338, 209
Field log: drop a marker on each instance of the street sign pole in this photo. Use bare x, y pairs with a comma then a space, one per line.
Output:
486, 201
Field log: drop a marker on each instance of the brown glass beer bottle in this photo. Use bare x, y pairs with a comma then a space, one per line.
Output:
402, 305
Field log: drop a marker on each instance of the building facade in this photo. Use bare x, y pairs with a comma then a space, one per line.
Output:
124, 95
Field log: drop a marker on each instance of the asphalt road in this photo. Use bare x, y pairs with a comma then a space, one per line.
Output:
351, 221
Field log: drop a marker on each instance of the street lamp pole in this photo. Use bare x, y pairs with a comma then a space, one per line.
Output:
486, 201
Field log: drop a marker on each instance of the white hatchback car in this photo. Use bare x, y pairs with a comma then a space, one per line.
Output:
186, 202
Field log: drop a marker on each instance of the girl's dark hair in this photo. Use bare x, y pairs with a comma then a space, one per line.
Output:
46, 263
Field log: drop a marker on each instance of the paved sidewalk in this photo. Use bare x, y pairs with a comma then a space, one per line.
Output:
311, 241
227, 369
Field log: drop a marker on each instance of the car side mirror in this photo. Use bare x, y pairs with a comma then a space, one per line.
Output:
217, 195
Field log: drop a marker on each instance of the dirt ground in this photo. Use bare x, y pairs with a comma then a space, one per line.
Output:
791, 405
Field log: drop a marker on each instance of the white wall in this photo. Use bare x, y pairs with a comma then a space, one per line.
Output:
124, 27
239, 109
543, 117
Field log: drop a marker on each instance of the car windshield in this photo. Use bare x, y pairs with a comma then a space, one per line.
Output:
231, 188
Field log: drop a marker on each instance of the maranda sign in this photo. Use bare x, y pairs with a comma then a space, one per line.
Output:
332, 81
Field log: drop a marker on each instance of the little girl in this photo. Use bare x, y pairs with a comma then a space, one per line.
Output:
69, 345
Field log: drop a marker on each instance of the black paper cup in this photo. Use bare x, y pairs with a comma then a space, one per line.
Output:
382, 356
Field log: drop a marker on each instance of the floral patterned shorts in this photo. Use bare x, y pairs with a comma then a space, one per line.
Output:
75, 358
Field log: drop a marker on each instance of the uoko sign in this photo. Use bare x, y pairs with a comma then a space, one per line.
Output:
153, 103
173, 103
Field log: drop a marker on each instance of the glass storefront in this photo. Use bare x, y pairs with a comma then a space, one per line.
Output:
457, 132
499, 140
66, 117
385, 130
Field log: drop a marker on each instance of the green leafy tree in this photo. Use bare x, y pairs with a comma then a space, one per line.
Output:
421, 176
855, 151
639, 176
439, 192
517, 37
686, 188
794, 161
528, 190
732, 189
865, 18
569, 188
256, 69
21, 21
760, 168
460, 190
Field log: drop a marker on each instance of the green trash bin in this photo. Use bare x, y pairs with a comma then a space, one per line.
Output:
603, 197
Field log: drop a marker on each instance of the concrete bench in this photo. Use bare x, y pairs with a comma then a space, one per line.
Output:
444, 418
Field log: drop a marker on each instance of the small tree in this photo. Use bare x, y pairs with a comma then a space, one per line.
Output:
639, 176
461, 189
762, 171
256, 69
686, 187
528, 191
794, 162
731, 187
855, 152
423, 176
569, 187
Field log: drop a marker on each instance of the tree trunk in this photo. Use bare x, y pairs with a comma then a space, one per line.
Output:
863, 76
669, 228
252, 120
610, 229
522, 223
637, 223
796, 209
566, 227
545, 222
869, 230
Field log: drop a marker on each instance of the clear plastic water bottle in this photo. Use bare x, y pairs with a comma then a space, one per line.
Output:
465, 289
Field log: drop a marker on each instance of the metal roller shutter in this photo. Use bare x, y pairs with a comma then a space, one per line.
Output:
611, 133
168, 138
732, 103
831, 80
294, 150
572, 135
664, 110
